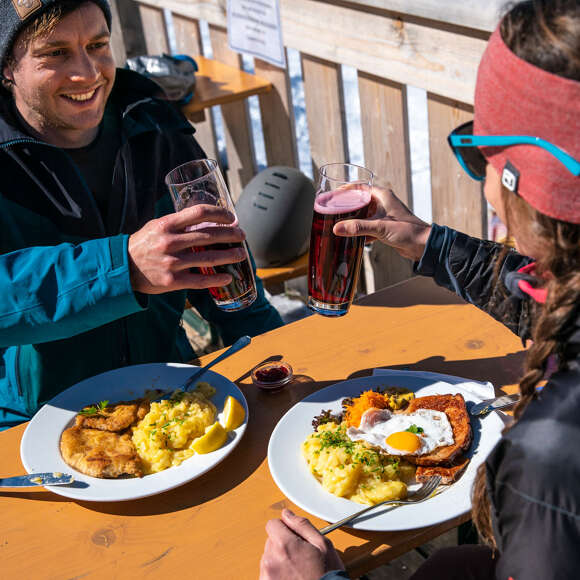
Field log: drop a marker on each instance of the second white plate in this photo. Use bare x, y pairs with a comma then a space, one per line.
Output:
291, 473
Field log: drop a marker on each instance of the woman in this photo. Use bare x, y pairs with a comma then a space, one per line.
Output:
526, 500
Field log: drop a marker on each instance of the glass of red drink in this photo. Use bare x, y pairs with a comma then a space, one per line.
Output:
201, 181
344, 192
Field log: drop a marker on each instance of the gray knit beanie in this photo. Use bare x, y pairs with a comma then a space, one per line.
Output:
16, 14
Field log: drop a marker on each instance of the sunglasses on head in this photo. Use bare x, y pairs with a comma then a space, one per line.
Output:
465, 147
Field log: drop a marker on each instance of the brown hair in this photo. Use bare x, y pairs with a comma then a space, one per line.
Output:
44, 24
545, 33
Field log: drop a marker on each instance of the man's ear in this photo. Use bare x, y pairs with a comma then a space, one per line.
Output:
7, 77
7, 74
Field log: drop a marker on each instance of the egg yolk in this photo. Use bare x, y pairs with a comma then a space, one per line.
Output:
404, 441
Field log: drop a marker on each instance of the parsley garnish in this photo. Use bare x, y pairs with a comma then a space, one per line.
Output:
94, 409
415, 429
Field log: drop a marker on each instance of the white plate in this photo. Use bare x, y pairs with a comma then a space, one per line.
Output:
292, 476
40, 444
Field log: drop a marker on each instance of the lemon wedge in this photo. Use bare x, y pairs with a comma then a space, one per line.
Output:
234, 414
213, 438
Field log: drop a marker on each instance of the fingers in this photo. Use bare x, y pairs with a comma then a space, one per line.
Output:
279, 532
194, 281
303, 528
206, 237
197, 214
354, 228
208, 258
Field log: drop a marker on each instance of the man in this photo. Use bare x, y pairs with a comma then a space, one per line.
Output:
94, 265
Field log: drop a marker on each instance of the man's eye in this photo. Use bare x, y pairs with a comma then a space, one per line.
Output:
56, 52
98, 45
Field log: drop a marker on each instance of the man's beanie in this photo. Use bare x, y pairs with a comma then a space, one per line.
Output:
16, 14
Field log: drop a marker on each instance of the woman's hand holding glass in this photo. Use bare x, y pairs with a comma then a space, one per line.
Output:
160, 253
390, 222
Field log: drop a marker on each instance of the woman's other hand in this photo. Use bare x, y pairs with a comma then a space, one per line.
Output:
390, 222
296, 550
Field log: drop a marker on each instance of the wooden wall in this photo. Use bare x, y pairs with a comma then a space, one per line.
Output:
432, 44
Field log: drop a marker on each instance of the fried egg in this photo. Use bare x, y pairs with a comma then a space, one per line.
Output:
416, 433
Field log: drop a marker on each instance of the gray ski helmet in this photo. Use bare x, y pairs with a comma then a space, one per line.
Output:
275, 211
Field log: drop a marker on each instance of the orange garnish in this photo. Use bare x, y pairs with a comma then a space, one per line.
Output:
366, 401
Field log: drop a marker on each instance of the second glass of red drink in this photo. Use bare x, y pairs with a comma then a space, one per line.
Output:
201, 181
344, 192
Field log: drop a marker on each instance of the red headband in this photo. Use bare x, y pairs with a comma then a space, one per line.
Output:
514, 97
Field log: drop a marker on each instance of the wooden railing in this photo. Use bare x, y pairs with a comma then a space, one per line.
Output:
432, 44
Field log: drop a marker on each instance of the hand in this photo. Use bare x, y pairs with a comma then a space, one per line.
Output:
296, 550
160, 252
392, 223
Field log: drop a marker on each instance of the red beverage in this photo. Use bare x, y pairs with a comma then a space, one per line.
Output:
240, 292
334, 262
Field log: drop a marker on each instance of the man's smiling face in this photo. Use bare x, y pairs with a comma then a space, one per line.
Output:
61, 80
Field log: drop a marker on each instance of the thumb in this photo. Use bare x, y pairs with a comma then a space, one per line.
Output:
349, 228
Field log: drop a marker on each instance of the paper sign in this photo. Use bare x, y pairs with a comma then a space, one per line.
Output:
254, 28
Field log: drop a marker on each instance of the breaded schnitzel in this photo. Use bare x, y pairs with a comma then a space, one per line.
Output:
100, 453
115, 417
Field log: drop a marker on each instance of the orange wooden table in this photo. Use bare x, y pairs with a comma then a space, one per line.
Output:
217, 83
213, 527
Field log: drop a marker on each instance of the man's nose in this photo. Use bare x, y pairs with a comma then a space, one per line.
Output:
84, 67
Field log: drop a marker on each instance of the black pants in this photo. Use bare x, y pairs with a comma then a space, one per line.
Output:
467, 562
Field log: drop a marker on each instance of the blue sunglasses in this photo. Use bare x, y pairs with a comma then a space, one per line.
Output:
464, 145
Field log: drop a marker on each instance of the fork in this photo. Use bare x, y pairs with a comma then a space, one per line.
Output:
496, 404
423, 493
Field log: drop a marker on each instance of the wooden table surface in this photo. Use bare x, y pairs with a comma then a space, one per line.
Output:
217, 83
213, 527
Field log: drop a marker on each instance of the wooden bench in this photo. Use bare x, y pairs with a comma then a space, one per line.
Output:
272, 277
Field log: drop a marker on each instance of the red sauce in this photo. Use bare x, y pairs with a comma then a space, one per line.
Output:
272, 374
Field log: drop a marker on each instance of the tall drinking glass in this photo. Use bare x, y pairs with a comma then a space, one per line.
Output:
201, 181
344, 192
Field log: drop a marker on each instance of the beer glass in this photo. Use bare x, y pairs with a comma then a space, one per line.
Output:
201, 181
344, 192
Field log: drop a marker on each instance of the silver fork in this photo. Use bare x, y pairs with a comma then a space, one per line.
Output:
423, 493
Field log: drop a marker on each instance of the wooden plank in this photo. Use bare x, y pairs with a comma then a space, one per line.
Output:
133, 35
469, 13
442, 59
277, 116
154, 29
239, 142
117, 39
386, 151
188, 41
458, 200
324, 101
386, 133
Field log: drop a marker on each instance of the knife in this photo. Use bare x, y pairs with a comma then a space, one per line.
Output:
37, 479
486, 407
